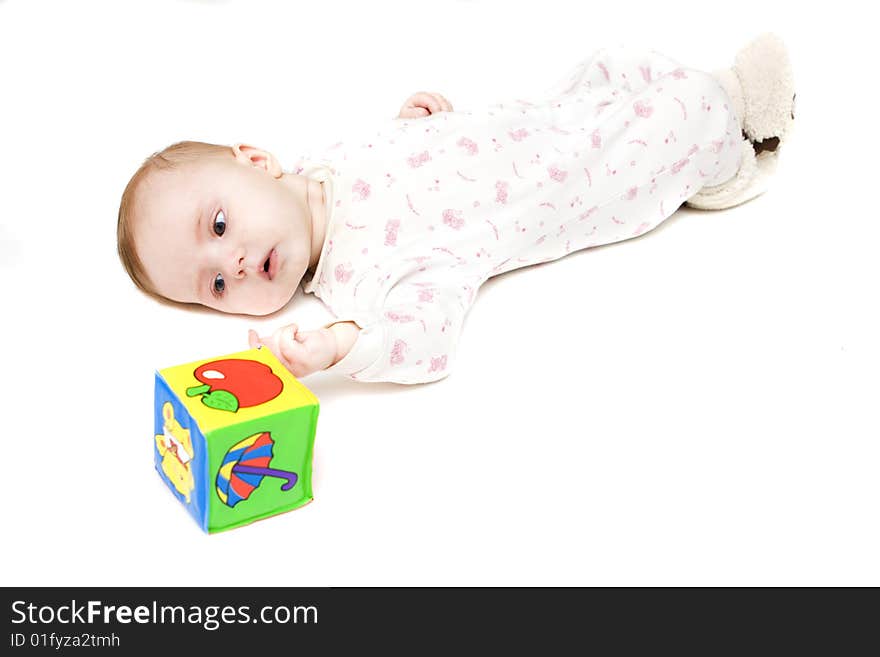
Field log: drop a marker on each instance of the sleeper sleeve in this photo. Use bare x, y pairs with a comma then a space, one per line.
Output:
411, 339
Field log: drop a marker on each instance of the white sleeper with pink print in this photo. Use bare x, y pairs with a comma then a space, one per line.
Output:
421, 213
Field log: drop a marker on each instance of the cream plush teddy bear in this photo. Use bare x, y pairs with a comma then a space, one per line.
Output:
761, 86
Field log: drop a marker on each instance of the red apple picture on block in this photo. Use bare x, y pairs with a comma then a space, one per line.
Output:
234, 383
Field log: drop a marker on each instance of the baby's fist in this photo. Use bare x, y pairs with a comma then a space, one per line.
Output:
301, 352
422, 104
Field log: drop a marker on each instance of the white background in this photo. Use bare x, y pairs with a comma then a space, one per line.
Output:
707, 415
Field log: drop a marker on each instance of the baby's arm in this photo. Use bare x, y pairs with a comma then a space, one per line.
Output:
305, 352
411, 339
346, 334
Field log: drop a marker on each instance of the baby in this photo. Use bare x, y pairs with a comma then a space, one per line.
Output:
396, 233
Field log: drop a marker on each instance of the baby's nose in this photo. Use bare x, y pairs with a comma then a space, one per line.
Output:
239, 267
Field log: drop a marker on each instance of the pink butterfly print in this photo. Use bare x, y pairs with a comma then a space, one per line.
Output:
343, 273
394, 317
360, 190
519, 135
643, 109
693, 149
391, 228
409, 203
596, 139
601, 106
717, 146
631, 193
397, 352
418, 160
679, 74
557, 174
642, 228
501, 189
586, 215
678, 166
684, 110
453, 219
494, 228
438, 364
468, 145
646, 73
445, 250
426, 295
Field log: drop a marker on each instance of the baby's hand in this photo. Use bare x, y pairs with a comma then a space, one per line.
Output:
423, 104
301, 352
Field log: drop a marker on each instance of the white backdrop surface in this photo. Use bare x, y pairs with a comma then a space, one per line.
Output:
707, 416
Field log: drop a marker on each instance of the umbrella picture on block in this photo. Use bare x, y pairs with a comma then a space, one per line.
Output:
245, 465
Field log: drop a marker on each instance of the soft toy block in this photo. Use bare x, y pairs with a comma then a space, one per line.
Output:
234, 437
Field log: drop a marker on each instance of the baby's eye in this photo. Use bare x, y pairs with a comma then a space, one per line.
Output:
220, 223
219, 285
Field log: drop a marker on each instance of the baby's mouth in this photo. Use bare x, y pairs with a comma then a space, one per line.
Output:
270, 267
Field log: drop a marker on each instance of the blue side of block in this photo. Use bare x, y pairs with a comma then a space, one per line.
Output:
165, 463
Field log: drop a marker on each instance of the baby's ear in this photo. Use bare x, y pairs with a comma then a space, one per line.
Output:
253, 156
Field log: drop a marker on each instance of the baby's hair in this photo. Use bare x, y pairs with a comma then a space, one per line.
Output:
172, 157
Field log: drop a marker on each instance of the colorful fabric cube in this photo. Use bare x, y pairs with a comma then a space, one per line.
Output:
234, 437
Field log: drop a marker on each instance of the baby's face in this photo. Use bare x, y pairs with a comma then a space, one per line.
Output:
205, 231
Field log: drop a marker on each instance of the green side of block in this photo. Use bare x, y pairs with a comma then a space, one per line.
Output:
292, 434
